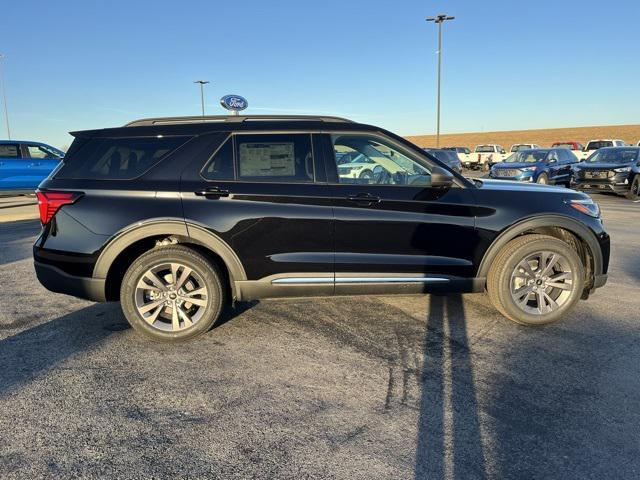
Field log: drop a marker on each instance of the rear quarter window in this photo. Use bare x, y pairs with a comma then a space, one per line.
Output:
9, 151
117, 158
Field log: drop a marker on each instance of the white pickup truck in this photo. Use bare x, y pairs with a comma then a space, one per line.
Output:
484, 156
464, 154
516, 147
594, 145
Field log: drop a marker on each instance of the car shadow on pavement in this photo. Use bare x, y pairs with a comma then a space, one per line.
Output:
32, 352
449, 443
12, 235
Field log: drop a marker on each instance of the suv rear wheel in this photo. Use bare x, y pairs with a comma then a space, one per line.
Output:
172, 294
535, 279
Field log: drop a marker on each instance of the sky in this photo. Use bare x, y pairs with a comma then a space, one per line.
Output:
507, 65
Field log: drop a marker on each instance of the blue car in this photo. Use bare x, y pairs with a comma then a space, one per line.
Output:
540, 165
23, 165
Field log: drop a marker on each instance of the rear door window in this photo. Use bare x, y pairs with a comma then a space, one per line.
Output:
42, 152
118, 158
286, 158
220, 167
9, 150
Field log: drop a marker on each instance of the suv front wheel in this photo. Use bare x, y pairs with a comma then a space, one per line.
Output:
535, 279
172, 294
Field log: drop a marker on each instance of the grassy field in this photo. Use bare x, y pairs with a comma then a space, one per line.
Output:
543, 137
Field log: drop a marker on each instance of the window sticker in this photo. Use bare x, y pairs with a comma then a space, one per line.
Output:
267, 160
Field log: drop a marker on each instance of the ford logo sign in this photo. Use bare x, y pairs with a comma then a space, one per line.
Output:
234, 102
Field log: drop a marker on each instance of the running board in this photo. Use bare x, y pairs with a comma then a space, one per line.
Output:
343, 280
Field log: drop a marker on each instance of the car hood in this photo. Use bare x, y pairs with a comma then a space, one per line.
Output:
603, 166
488, 184
511, 165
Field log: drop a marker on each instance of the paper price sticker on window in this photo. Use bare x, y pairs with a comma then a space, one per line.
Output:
267, 159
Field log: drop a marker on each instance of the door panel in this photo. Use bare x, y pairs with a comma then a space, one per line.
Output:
39, 162
410, 229
277, 228
10, 164
394, 223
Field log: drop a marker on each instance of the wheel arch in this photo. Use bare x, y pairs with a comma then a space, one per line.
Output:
564, 228
135, 240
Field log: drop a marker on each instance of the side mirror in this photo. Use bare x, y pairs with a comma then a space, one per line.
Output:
441, 178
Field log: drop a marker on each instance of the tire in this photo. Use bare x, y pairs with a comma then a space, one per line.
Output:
166, 314
634, 192
507, 281
543, 179
366, 175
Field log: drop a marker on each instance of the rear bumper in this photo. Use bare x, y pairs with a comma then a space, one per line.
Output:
55, 280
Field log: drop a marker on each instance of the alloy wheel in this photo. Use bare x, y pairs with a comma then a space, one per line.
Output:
171, 297
541, 283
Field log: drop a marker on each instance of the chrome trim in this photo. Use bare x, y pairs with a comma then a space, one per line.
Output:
302, 280
339, 280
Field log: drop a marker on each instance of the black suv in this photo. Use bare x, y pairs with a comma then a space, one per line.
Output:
610, 169
178, 217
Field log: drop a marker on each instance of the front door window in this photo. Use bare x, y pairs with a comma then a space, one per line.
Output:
367, 160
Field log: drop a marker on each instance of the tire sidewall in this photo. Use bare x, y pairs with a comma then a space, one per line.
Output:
551, 245
543, 176
635, 183
366, 174
185, 256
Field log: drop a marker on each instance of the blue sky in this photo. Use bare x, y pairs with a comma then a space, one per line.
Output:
507, 65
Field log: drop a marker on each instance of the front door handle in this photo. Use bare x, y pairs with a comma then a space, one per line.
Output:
363, 198
212, 192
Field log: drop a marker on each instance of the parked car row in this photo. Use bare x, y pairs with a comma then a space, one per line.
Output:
23, 165
609, 169
484, 156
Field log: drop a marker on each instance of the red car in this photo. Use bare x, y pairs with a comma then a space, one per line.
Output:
571, 145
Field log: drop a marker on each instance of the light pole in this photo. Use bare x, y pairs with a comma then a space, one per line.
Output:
202, 84
4, 98
439, 19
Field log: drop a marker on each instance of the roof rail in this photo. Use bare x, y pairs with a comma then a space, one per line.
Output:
233, 119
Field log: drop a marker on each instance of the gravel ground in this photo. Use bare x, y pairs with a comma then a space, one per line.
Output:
377, 387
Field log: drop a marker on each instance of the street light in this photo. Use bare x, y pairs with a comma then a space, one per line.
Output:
202, 84
4, 98
439, 19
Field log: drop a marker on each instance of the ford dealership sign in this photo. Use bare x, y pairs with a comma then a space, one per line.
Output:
234, 102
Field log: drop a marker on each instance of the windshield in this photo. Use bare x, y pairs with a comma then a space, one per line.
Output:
353, 157
527, 156
446, 156
517, 148
614, 155
599, 144
564, 145
458, 149
485, 149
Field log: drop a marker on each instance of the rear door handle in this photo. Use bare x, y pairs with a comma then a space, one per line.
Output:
213, 192
363, 198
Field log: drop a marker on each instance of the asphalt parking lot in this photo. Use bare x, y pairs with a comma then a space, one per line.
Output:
362, 387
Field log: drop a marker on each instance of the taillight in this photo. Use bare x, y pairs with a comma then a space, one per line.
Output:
50, 202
